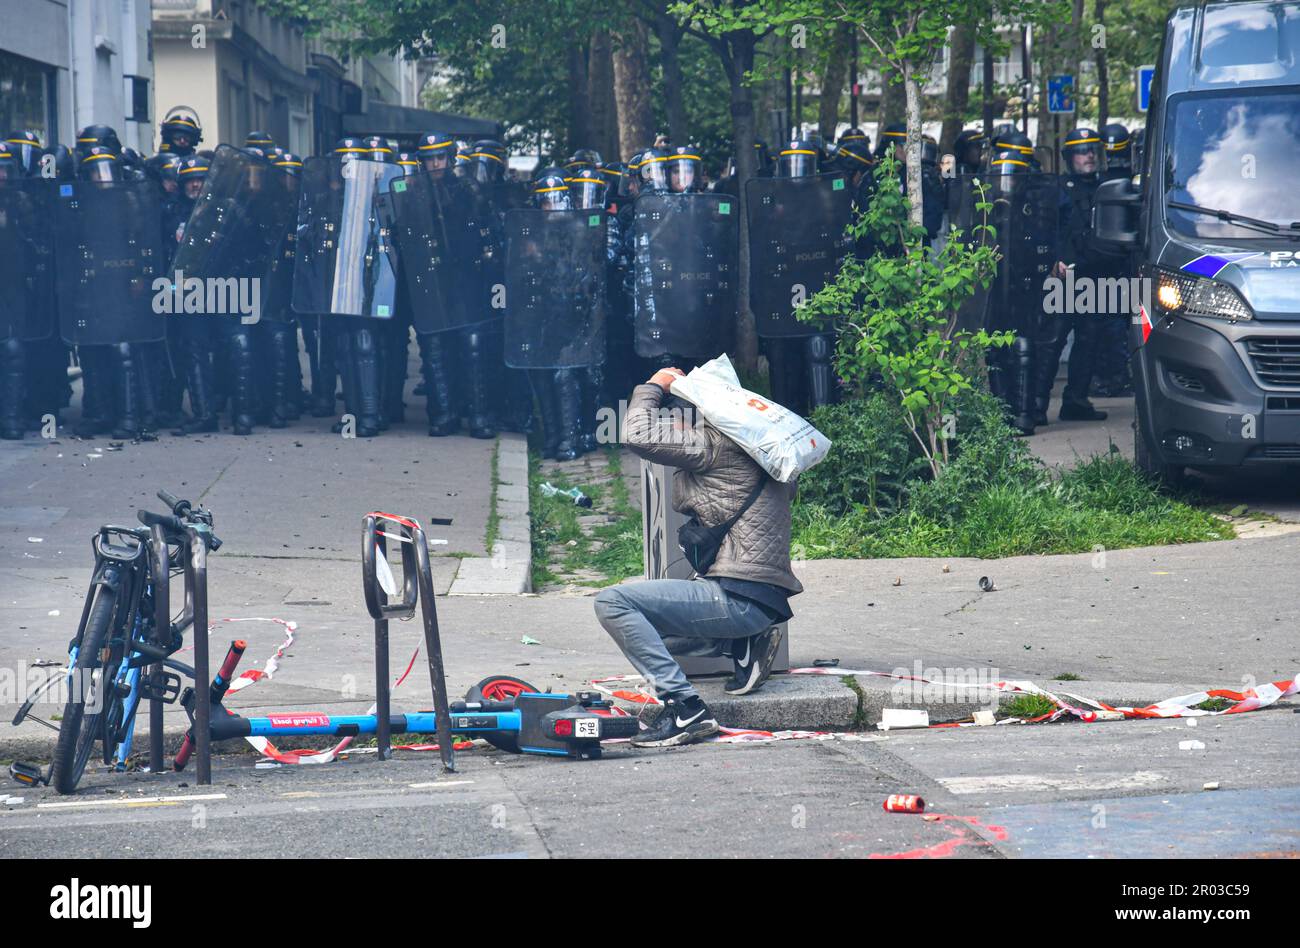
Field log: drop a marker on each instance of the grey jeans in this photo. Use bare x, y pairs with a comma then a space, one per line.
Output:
638, 615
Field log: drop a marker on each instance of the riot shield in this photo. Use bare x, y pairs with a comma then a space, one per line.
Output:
26, 259
685, 249
433, 227
278, 299
239, 221
1027, 218
109, 239
555, 289
797, 242
343, 265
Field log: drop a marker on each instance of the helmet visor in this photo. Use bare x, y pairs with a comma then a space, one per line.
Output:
684, 173
588, 192
798, 162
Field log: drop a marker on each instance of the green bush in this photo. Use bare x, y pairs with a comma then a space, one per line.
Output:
872, 457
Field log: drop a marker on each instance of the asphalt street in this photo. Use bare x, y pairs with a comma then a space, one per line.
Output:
1123, 789
1165, 621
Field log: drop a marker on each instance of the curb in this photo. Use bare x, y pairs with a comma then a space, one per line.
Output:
508, 571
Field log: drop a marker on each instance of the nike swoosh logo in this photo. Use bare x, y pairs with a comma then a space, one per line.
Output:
745, 660
691, 719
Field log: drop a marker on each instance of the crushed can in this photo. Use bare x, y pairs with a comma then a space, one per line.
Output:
904, 803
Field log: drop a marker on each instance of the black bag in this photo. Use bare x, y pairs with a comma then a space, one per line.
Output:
701, 543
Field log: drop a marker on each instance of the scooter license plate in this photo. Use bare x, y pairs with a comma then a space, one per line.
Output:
586, 727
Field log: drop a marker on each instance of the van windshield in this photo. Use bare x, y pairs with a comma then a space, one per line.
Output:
1233, 152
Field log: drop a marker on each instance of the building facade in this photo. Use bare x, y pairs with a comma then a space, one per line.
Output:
66, 64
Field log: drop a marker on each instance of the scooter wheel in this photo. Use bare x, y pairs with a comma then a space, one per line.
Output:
500, 688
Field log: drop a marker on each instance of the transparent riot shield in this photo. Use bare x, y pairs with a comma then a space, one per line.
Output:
344, 265
239, 221
555, 289
797, 242
685, 248
109, 240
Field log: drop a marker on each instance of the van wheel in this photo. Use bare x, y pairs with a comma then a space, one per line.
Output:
1146, 460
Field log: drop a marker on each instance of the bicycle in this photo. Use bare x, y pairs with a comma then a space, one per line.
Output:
126, 628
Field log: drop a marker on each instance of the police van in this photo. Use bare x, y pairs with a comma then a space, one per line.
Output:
1214, 223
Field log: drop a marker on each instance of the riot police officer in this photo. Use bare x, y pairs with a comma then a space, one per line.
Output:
180, 132
1084, 160
968, 149
193, 337
1119, 151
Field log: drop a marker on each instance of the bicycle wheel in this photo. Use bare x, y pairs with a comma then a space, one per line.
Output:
88, 695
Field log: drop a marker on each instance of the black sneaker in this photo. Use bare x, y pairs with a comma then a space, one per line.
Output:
754, 663
680, 722
1080, 411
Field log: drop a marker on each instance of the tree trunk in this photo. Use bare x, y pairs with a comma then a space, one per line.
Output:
1103, 76
893, 101
579, 131
670, 38
600, 86
958, 93
632, 89
912, 90
740, 61
832, 83
1047, 53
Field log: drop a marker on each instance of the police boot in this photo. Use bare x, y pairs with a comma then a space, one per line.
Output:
243, 381
821, 376
126, 383
543, 383
591, 383
399, 341
147, 384
203, 412
342, 349
569, 398
322, 350
1025, 417
365, 358
11, 390
482, 424
437, 386
282, 393
96, 391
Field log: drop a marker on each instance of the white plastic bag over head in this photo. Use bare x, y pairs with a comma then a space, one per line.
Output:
782, 442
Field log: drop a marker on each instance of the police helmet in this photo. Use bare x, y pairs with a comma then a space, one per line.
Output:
685, 169
798, 159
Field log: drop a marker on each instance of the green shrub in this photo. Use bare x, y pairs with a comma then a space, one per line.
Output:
871, 459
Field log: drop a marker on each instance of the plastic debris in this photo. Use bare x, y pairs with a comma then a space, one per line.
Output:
528, 640
892, 718
1191, 746
1212, 785
36, 539
579, 498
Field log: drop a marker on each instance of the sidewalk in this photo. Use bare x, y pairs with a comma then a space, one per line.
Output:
1135, 625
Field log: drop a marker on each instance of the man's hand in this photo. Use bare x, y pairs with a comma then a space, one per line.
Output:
664, 378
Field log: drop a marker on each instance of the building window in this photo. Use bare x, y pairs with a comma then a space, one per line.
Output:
25, 101
138, 90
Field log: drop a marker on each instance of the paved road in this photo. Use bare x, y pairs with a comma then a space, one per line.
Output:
1065, 790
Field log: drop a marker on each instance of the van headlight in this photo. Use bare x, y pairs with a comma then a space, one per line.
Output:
1181, 294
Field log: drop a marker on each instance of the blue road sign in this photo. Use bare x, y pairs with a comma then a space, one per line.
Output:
1144, 77
1060, 94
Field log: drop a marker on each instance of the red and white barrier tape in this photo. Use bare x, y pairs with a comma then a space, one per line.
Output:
1087, 710
268, 750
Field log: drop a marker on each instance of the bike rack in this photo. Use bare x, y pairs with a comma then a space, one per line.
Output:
417, 588
196, 589
162, 620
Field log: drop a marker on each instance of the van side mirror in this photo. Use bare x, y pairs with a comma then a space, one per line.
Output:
1115, 212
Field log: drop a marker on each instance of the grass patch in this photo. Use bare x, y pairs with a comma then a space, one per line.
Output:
1067, 676
1026, 706
494, 518
1103, 502
556, 521
1214, 704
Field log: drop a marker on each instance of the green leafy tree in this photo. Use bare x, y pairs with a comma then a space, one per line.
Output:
897, 312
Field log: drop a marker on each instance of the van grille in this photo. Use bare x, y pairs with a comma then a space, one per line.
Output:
1276, 359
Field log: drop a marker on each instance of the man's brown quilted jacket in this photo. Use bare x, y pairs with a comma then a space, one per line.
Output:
713, 478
